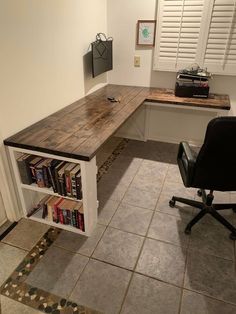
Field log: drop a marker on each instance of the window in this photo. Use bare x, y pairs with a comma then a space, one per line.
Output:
196, 31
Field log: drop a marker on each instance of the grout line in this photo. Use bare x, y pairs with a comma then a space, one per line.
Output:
69, 295
106, 227
17, 247
210, 297
140, 252
185, 273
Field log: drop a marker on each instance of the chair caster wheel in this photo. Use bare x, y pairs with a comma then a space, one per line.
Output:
187, 231
233, 236
199, 193
172, 203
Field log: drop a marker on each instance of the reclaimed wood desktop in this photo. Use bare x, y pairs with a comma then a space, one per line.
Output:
80, 129
76, 133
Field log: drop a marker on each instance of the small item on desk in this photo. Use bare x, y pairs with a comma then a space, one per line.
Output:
113, 99
192, 82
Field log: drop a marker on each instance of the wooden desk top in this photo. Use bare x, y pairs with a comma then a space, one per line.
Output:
214, 101
80, 129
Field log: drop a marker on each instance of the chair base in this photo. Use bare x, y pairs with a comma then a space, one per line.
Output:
206, 207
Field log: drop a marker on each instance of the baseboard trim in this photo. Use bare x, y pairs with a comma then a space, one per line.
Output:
6, 231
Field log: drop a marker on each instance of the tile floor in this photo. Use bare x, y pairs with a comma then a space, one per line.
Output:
138, 259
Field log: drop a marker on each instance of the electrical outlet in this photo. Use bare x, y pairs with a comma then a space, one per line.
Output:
137, 61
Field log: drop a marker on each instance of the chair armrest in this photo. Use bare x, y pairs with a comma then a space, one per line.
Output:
186, 161
185, 148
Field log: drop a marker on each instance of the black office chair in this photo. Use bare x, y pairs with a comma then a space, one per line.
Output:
213, 168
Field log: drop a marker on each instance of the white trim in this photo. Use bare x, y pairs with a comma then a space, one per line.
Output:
7, 188
195, 108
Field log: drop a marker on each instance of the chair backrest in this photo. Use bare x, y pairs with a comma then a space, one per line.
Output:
215, 167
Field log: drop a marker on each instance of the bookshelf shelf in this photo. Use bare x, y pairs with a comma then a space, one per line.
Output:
37, 217
31, 194
49, 191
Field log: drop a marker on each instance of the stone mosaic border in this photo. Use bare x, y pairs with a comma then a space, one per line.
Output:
106, 165
17, 289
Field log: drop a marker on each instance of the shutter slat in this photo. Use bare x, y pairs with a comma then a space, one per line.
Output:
179, 24
221, 43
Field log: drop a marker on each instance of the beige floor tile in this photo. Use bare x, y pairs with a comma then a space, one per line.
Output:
145, 199
119, 248
163, 261
180, 210
78, 243
212, 239
106, 210
58, 271
10, 258
173, 174
9, 306
168, 228
132, 219
101, 287
212, 276
26, 234
196, 303
149, 296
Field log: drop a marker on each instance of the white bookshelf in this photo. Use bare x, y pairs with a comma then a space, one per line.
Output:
30, 195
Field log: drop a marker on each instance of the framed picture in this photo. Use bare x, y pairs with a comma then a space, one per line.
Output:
146, 32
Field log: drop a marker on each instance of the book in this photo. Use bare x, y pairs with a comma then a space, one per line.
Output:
50, 206
32, 165
51, 173
57, 168
44, 206
78, 186
39, 173
39, 206
61, 179
79, 216
73, 174
46, 176
68, 186
69, 208
66, 211
55, 210
60, 208
24, 169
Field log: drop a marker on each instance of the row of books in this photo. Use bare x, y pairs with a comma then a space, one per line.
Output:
63, 177
61, 210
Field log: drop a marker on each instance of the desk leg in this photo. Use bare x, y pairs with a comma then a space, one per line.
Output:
89, 185
146, 124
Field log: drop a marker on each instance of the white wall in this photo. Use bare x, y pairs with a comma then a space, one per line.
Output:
43, 65
122, 18
41, 56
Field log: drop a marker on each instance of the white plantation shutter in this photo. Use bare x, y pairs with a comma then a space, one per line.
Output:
180, 29
220, 52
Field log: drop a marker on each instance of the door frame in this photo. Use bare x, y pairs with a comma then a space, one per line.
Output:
7, 186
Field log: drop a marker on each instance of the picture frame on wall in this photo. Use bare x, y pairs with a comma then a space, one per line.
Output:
146, 30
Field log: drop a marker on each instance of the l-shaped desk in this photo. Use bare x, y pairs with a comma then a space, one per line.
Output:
76, 133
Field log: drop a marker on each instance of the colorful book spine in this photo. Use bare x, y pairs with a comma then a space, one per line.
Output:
39, 176
51, 171
78, 186
55, 210
67, 173
24, 169
32, 165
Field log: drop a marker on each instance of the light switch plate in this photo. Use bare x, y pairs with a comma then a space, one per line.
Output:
137, 61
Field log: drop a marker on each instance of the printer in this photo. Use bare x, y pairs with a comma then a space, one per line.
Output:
192, 82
